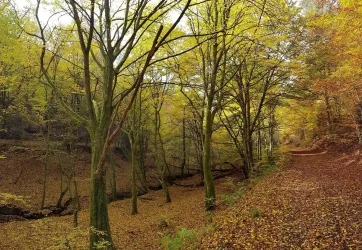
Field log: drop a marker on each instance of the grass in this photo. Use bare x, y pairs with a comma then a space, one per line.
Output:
184, 238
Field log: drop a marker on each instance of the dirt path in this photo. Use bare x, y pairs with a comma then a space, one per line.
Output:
315, 204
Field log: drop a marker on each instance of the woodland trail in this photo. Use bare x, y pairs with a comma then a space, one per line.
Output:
314, 204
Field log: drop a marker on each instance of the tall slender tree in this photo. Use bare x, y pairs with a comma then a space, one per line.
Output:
117, 32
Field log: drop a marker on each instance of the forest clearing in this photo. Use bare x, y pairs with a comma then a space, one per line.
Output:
180, 124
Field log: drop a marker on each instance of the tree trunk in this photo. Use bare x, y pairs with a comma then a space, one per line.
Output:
45, 168
62, 192
208, 178
247, 142
161, 168
141, 155
329, 112
76, 202
134, 187
183, 164
113, 177
259, 146
133, 141
162, 173
99, 222
271, 137
100, 232
140, 141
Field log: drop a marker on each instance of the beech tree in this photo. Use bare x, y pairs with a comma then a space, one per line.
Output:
262, 65
114, 37
224, 24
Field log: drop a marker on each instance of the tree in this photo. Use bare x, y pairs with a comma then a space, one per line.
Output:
214, 19
332, 62
117, 34
20, 100
158, 95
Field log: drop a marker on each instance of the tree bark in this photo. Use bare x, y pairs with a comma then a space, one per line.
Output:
113, 177
161, 167
183, 164
99, 222
133, 177
210, 195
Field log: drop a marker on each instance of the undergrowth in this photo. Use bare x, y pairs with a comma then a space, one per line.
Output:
184, 238
265, 167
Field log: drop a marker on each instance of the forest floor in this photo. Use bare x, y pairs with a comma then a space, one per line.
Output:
315, 203
21, 180
21, 173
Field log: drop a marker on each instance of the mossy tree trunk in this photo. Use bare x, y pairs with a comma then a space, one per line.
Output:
210, 194
98, 213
